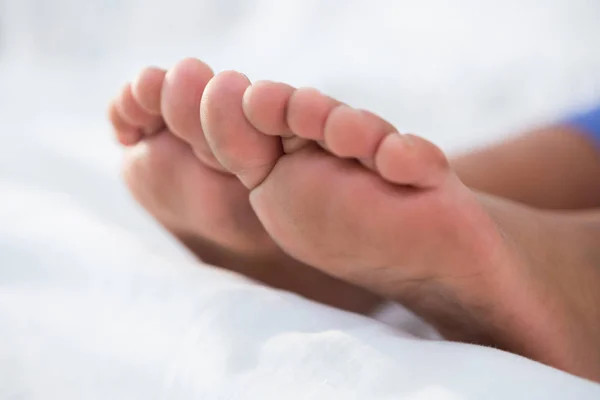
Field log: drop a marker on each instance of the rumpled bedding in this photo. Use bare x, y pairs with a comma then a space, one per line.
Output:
98, 302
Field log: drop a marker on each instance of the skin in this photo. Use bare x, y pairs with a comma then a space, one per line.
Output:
555, 167
302, 192
188, 192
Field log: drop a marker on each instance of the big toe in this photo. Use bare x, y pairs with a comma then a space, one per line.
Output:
238, 145
180, 103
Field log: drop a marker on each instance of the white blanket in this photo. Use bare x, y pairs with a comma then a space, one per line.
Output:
97, 302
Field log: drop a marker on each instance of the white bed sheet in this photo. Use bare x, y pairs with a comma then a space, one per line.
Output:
97, 302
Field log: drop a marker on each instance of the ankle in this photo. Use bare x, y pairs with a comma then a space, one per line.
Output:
565, 255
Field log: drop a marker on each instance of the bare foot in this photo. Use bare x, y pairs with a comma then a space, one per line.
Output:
172, 172
401, 223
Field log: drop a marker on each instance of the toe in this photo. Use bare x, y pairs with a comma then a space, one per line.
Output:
354, 133
147, 88
126, 133
238, 145
265, 107
411, 160
182, 93
134, 114
308, 111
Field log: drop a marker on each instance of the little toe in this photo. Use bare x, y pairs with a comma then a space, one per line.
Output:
134, 114
238, 145
182, 93
411, 160
126, 134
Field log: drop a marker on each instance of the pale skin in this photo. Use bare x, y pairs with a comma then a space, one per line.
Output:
302, 192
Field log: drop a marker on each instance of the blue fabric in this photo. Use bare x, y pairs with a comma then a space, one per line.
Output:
588, 122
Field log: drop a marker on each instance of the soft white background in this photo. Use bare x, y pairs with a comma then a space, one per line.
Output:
97, 302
